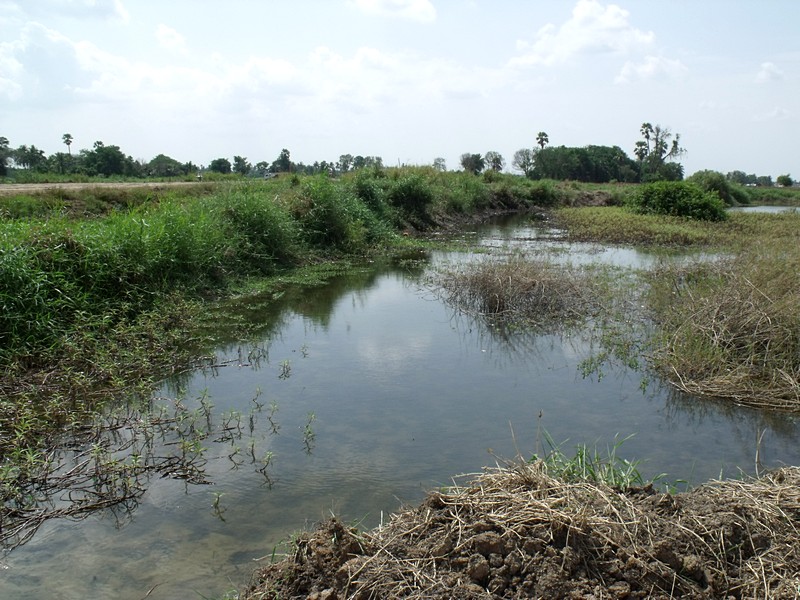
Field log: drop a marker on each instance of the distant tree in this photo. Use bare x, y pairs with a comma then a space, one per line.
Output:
59, 163
784, 180
67, 139
373, 162
655, 150
220, 165
345, 163
282, 164
596, 164
739, 177
523, 161
241, 166
472, 163
261, 168
164, 166
107, 161
764, 181
439, 164
542, 139
494, 160
5, 154
359, 162
30, 157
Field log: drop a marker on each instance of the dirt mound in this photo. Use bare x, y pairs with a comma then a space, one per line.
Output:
518, 533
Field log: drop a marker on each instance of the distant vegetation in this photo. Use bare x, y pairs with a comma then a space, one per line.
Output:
656, 155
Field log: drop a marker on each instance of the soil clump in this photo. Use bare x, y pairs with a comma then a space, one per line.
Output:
517, 532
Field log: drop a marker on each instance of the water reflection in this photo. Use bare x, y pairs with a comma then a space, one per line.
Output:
764, 209
352, 398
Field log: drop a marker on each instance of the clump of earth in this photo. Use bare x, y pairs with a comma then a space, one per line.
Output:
517, 532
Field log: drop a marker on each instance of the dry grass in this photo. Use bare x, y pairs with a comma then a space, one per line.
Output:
519, 289
517, 532
732, 329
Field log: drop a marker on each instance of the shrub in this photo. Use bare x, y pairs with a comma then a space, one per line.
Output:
714, 181
412, 194
262, 232
543, 193
679, 199
337, 217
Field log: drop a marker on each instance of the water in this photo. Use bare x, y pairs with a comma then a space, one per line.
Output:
764, 209
380, 393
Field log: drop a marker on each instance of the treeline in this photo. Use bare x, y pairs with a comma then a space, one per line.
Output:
656, 159
284, 164
104, 160
100, 161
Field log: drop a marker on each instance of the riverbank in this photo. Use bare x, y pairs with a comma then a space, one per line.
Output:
518, 532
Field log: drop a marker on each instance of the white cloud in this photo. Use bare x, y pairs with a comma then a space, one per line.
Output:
170, 39
652, 67
80, 9
10, 71
769, 72
592, 29
414, 10
776, 114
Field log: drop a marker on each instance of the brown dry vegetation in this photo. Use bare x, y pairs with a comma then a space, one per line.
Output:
517, 532
532, 291
731, 328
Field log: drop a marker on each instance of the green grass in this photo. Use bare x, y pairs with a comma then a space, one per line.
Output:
731, 328
617, 225
593, 465
727, 327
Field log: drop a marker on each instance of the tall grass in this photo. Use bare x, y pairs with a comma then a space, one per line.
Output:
618, 225
519, 289
732, 328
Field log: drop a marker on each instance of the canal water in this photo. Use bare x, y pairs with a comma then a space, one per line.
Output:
357, 397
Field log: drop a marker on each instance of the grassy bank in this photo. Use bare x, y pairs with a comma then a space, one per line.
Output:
726, 327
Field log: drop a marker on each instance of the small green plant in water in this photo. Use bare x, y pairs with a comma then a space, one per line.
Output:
308, 433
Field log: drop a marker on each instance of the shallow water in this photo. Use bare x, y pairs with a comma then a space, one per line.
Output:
764, 209
404, 395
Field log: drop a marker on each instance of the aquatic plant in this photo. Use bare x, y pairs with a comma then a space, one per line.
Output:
731, 328
530, 290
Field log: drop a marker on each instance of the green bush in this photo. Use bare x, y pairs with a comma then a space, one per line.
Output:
337, 218
714, 181
462, 192
412, 194
543, 193
679, 199
261, 232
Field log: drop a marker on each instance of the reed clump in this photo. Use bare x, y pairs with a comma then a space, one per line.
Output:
731, 328
533, 291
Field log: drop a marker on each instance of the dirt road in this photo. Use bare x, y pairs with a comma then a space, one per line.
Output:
10, 189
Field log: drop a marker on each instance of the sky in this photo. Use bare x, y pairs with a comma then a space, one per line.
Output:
406, 80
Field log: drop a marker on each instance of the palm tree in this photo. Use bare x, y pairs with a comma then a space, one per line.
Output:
67, 139
542, 139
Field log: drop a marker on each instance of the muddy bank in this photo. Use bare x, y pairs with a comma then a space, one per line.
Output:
519, 533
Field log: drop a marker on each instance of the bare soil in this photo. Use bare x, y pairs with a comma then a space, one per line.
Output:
517, 532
